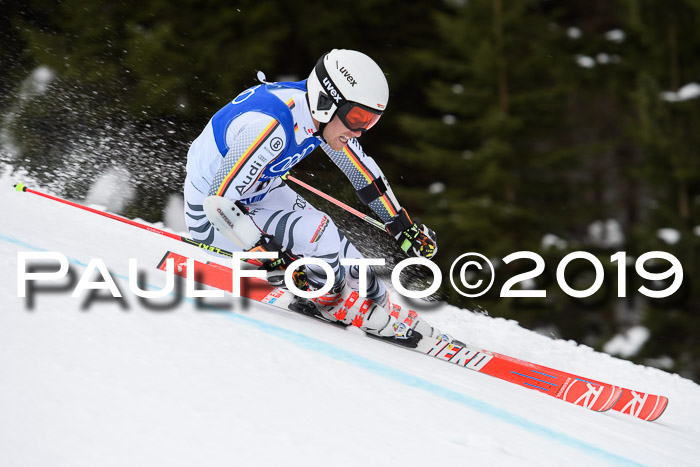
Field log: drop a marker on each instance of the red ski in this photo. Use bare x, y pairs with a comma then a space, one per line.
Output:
577, 390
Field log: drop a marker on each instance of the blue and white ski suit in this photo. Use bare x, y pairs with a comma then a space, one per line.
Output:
242, 154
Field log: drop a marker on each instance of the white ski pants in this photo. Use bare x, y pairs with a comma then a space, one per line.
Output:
296, 225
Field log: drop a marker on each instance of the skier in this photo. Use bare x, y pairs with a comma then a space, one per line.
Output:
251, 143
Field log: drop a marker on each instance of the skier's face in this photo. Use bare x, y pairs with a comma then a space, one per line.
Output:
337, 135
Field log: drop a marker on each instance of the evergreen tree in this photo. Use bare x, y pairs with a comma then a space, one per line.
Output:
663, 46
493, 145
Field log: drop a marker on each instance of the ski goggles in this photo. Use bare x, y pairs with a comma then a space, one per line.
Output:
357, 117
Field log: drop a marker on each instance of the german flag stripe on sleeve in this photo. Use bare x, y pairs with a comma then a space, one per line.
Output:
388, 205
259, 141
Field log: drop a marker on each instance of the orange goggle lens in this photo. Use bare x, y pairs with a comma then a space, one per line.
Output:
358, 118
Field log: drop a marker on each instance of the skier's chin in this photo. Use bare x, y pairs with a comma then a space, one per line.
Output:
341, 142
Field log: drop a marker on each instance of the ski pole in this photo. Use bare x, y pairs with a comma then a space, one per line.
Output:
189, 241
370, 220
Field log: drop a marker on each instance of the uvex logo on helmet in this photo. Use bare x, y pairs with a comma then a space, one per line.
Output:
348, 76
331, 90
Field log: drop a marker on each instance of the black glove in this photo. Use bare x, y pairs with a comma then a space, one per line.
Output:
276, 267
418, 240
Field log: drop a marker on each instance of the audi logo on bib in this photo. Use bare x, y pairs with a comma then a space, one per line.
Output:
283, 165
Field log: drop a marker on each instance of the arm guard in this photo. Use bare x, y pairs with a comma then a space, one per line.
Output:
364, 174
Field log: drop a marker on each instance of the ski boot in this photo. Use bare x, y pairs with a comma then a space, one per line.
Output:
344, 304
413, 320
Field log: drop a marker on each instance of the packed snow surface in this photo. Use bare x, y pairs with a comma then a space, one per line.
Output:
118, 382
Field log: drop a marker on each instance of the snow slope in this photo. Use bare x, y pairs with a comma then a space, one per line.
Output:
115, 383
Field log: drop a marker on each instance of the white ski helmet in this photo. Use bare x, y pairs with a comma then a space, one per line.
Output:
350, 84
